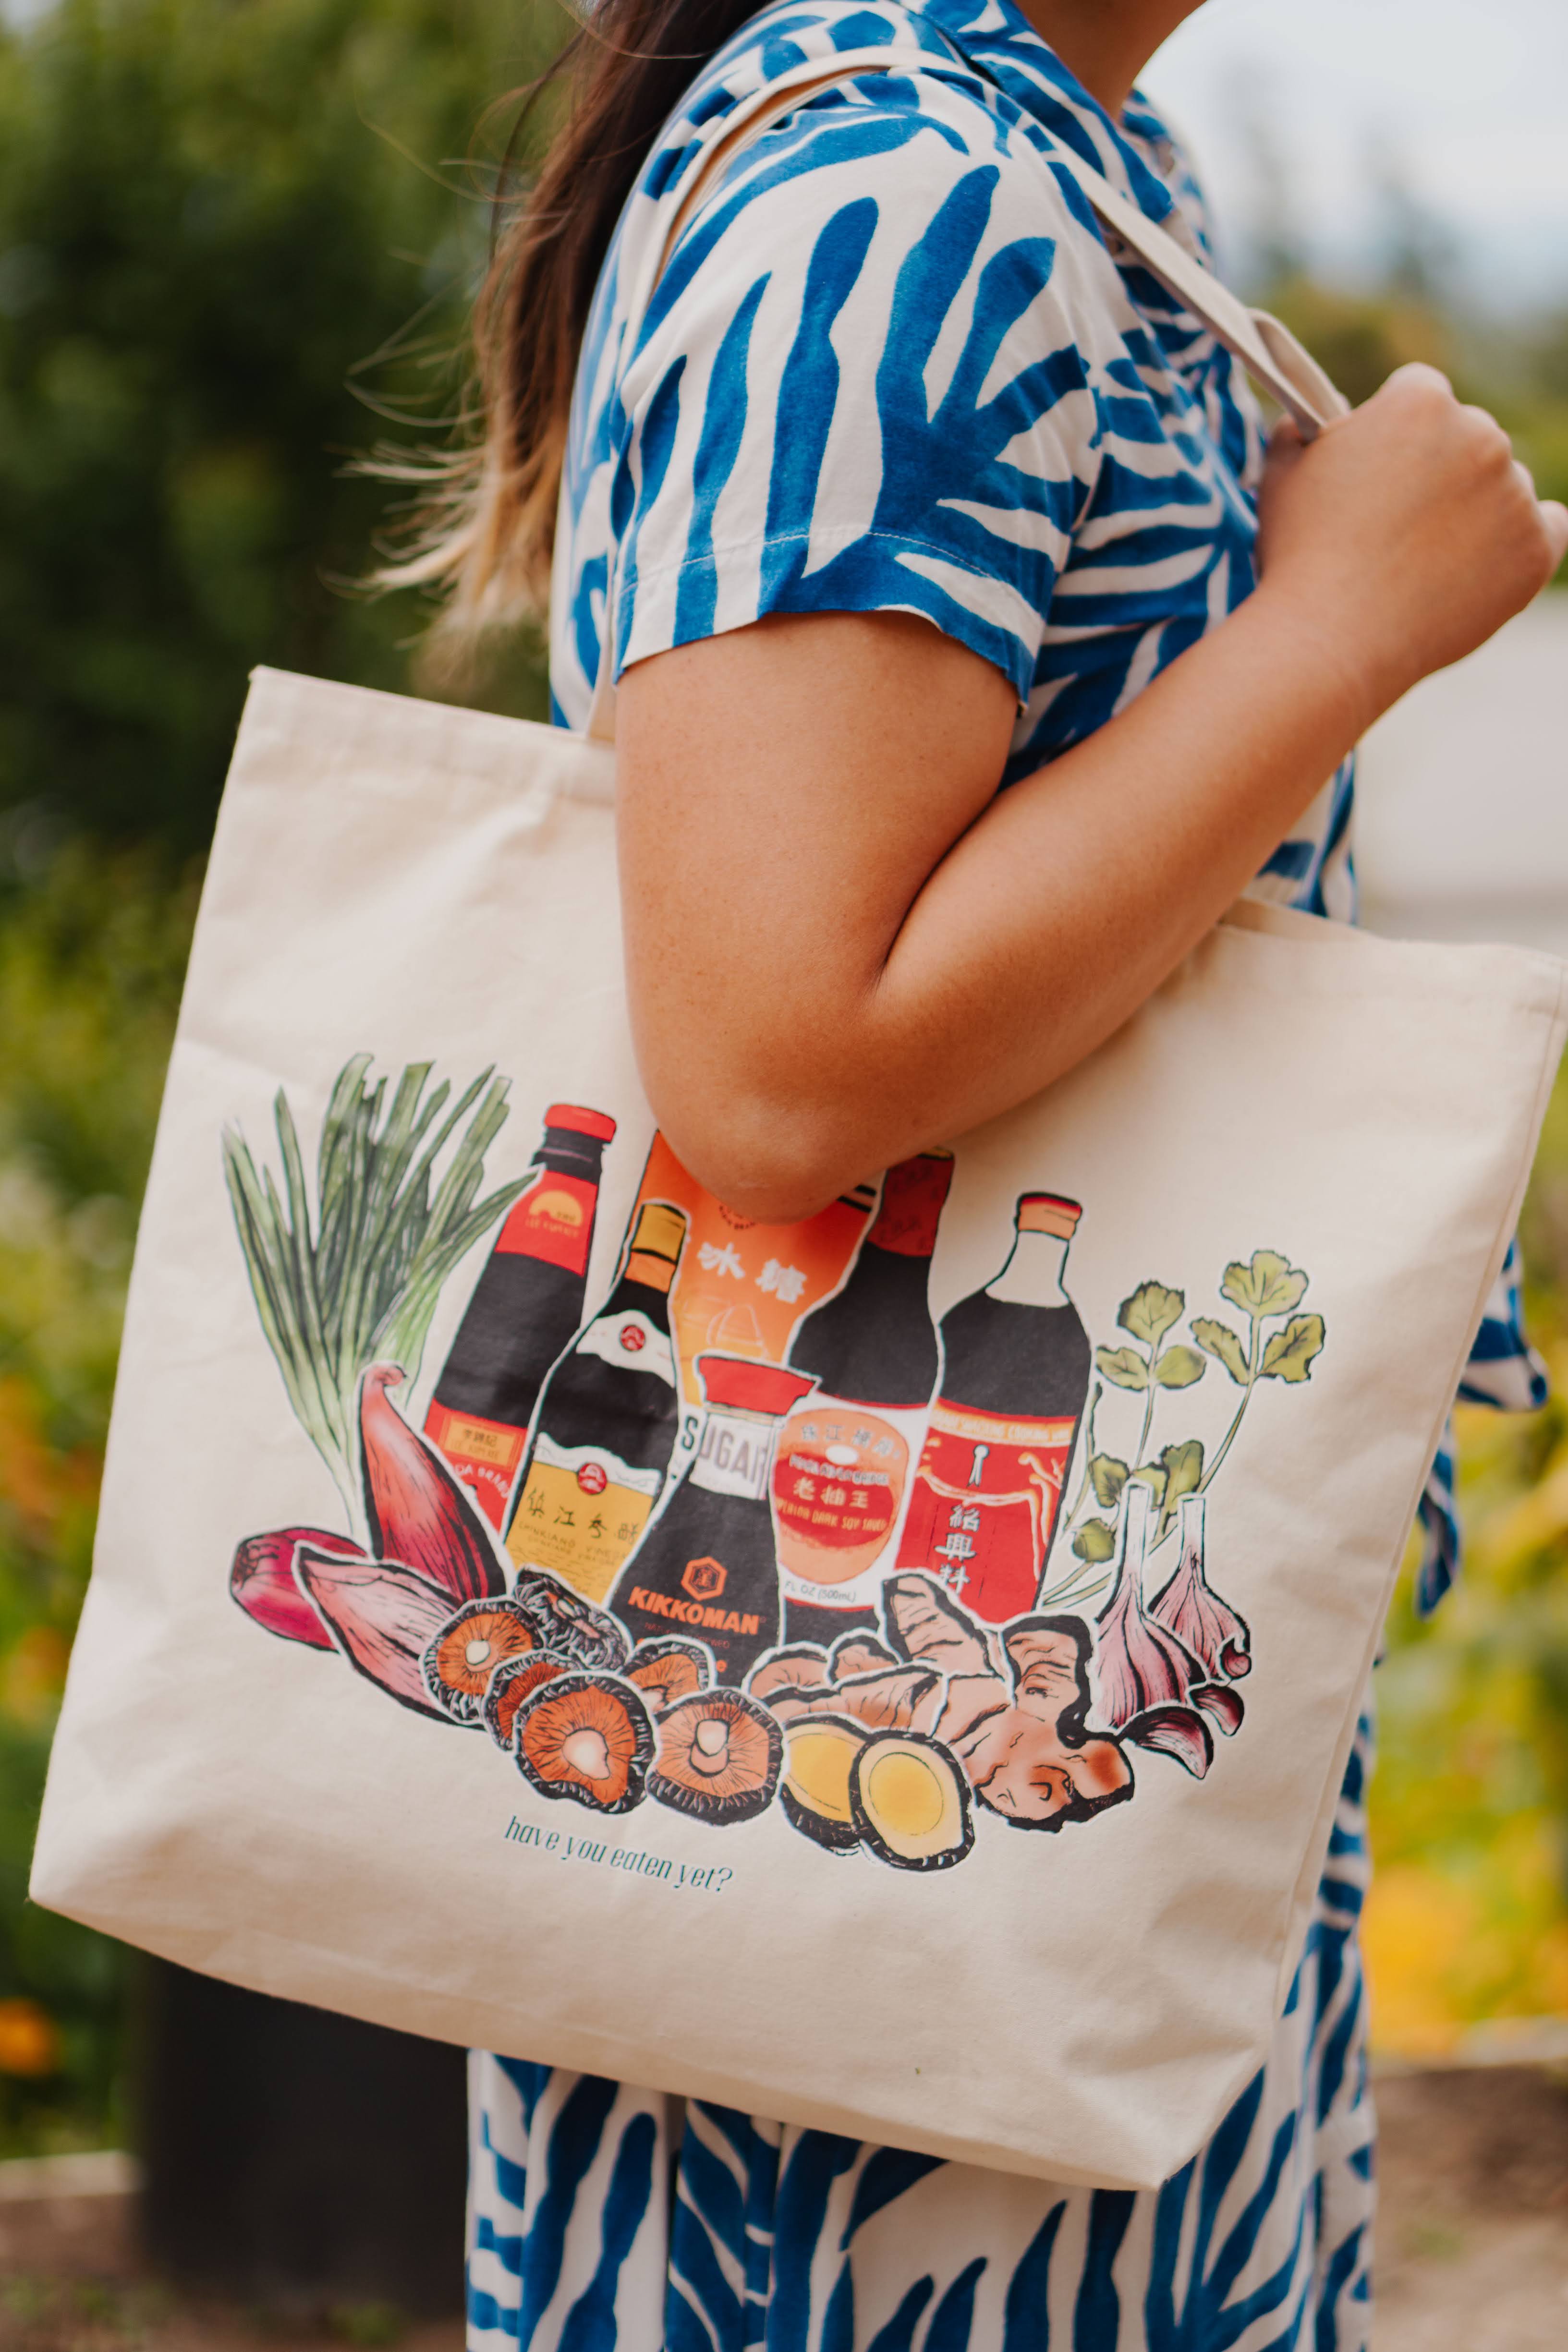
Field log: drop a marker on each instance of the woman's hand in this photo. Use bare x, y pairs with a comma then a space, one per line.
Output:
843, 945
1406, 534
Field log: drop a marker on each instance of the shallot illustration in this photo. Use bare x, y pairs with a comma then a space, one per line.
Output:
419, 1513
1142, 1673
383, 1617
261, 1580
1189, 1607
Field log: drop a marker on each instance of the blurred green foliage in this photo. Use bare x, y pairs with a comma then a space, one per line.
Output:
225, 226
90, 962
1467, 1925
213, 216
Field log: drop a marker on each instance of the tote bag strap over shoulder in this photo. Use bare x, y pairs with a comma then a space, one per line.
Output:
1267, 350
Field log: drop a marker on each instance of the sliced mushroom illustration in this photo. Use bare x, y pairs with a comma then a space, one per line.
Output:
800, 1667
666, 1671
569, 1625
467, 1651
513, 1683
586, 1737
911, 1802
819, 1754
718, 1756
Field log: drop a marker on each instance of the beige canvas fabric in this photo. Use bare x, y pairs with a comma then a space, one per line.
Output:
1046, 1944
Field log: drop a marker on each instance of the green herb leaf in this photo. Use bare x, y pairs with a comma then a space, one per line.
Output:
1268, 1285
1291, 1353
1151, 1312
1151, 1474
1095, 1542
1123, 1367
1184, 1467
1218, 1339
1107, 1477
1178, 1368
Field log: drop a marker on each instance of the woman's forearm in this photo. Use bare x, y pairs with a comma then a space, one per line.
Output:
842, 943
1077, 892
1059, 910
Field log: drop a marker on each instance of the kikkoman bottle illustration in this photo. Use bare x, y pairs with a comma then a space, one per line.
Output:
525, 1306
1015, 1372
841, 1479
606, 1423
706, 1565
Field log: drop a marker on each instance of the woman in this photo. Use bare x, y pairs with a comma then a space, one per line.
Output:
909, 490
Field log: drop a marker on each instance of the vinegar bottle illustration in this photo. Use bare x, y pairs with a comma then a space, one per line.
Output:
525, 1306
706, 1565
606, 1423
844, 1458
1015, 1370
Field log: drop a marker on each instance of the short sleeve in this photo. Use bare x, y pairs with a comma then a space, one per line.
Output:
860, 388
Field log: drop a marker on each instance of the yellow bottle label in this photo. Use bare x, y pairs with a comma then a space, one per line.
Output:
581, 1510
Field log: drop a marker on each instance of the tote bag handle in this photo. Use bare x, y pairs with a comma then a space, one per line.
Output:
1267, 350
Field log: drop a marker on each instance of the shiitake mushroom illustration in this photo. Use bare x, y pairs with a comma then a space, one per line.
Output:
820, 1752
467, 1651
911, 1802
514, 1681
665, 1671
800, 1667
586, 1737
570, 1625
718, 1756
858, 1652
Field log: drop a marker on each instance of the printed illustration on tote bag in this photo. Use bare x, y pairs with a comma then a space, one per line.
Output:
753, 1529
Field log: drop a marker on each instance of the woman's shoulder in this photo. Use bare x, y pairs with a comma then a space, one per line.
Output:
918, 129
925, 175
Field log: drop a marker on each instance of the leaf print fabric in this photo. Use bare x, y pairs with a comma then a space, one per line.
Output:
893, 366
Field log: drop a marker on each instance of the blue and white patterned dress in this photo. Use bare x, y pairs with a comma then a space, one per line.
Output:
891, 365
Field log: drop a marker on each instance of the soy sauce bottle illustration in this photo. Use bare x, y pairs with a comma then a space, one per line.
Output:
526, 1304
607, 1420
707, 1566
841, 1479
1015, 1372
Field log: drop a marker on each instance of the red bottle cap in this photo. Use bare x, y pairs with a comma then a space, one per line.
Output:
582, 1122
743, 1385
1048, 1212
914, 1194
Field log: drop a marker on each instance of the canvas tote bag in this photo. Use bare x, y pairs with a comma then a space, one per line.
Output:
892, 1673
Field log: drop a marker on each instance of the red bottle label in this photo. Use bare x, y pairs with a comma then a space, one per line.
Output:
483, 1454
983, 1506
553, 1222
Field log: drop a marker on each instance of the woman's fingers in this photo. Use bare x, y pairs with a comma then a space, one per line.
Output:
1405, 534
1554, 516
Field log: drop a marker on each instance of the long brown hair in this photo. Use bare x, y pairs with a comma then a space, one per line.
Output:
485, 528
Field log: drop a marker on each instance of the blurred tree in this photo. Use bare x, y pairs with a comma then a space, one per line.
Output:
91, 960
212, 214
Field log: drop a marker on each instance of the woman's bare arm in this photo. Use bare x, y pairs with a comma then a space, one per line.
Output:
843, 946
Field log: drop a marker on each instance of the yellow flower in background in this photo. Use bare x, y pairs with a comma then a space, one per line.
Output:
33, 1676
29, 2042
